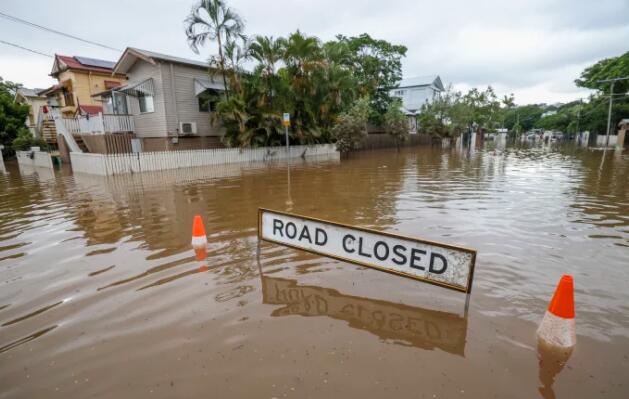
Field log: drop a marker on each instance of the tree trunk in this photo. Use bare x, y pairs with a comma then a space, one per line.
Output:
222, 63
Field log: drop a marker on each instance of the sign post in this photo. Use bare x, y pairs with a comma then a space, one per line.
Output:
432, 262
286, 123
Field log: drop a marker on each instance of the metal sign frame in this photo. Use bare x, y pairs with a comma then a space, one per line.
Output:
367, 264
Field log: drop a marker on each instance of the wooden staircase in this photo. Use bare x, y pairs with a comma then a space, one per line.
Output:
49, 132
79, 140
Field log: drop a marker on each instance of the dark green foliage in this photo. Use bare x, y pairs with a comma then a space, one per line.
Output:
351, 126
396, 123
526, 115
377, 65
315, 82
25, 140
454, 113
608, 68
12, 115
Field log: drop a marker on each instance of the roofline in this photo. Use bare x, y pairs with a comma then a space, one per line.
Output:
152, 60
98, 70
135, 53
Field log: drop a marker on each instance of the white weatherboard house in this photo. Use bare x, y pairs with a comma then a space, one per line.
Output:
416, 92
169, 99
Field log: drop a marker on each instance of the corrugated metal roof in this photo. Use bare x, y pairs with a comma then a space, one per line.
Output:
421, 81
165, 57
25, 92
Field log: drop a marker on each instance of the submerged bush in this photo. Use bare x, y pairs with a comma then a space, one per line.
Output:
25, 140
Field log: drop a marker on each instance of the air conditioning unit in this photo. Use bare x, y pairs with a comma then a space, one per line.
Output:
187, 128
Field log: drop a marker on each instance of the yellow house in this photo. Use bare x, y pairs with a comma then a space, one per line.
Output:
79, 78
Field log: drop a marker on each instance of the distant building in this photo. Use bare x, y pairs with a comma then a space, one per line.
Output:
34, 101
79, 78
414, 93
549, 113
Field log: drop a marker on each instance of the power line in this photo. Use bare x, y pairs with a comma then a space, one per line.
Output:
25, 48
34, 25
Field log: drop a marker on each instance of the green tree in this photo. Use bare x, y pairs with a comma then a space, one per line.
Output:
608, 68
268, 52
441, 117
483, 108
12, 115
351, 126
377, 65
594, 112
213, 20
524, 116
396, 123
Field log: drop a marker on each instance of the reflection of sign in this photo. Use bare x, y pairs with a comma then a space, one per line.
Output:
286, 119
441, 264
422, 328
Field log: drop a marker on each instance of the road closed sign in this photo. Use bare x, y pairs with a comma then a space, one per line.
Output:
446, 265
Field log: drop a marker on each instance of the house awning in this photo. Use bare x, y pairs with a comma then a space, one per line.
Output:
144, 87
203, 84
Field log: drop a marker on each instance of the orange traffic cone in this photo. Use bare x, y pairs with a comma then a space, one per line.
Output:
558, 327
199, 239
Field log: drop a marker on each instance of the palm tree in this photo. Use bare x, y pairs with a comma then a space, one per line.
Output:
212, 20
268, 52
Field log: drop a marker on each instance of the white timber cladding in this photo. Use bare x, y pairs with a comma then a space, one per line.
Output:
424, 260
183, 105
148, 124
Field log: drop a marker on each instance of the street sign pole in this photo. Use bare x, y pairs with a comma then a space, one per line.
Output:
286, 123
287, 144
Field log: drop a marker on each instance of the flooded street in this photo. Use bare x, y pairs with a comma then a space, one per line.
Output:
101, 295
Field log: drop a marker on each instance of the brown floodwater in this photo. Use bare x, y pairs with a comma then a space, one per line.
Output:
101, 295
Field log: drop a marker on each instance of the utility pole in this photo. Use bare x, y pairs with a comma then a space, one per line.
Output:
611, 100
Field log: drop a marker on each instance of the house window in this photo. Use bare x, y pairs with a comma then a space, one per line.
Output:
399, 93
208, 100
146, 102
68, 98
116, 104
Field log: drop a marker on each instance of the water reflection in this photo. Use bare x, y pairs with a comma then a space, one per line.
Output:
26, 339
401, 324
552, 360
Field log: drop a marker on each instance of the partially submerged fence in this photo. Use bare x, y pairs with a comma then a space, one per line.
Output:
377, 141
34, 158
113, 164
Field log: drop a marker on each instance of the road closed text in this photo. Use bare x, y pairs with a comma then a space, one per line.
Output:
438, 263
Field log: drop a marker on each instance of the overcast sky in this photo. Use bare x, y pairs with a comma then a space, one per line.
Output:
532, 48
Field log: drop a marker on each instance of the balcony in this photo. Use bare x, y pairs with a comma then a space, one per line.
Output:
100, 124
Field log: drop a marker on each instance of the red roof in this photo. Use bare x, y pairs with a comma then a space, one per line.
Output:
72, 63
90, 109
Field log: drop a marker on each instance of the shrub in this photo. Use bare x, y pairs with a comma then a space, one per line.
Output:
351, 126
25, 140
396, 123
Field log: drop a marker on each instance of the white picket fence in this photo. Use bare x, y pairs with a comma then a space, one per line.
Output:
113, 164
